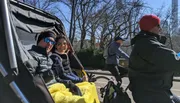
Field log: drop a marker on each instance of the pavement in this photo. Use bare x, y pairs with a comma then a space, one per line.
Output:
102, 82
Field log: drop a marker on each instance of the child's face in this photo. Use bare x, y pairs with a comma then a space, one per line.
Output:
61, 45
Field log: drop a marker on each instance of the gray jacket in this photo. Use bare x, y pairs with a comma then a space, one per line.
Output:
114, 53
44, 67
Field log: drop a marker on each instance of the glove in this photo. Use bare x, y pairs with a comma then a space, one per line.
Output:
74, 89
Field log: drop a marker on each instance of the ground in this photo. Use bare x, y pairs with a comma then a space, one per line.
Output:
102, 82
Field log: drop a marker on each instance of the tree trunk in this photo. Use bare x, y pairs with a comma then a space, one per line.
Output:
93, 40
83, 35
72, 20
74, 31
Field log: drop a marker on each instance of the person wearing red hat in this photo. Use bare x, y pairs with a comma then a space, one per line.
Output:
152, 64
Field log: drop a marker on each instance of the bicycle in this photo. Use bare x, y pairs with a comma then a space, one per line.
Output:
114, 93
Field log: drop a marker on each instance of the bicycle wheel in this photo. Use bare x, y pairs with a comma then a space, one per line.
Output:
102, 77
101, 82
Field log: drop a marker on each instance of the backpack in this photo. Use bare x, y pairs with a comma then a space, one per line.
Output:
106, 52
114, 94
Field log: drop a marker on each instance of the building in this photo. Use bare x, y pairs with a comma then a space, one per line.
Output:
174, 17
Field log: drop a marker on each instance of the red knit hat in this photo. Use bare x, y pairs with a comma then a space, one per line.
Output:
147, 22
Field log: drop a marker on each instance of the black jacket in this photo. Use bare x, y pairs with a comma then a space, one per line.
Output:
151, 68
62, 69
44, 67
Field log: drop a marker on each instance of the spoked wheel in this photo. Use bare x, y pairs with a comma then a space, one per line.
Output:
98, 78
101, 82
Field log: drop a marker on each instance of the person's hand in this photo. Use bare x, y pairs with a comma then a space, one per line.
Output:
85, 78
67, 51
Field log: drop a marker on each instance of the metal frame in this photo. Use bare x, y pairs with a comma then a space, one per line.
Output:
11, 50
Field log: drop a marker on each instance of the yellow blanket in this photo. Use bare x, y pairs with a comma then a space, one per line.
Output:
61, 94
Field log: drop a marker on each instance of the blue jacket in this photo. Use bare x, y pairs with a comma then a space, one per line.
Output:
62, 69
114, 54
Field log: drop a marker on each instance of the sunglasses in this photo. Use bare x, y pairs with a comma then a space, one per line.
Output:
47, 40
64, 43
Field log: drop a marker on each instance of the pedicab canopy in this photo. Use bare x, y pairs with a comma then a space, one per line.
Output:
19, 25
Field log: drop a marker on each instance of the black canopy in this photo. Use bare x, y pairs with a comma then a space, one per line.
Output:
26, 22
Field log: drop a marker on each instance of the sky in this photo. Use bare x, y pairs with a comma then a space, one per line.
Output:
158, 3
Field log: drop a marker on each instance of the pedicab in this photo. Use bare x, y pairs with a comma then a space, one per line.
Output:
19, 25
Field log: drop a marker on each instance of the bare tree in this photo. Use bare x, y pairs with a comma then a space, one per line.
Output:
72, 5
41, 4
120, 20
85, 9
95, 21
72, 23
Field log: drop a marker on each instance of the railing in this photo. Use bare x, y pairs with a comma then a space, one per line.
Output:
176, 79
13, 86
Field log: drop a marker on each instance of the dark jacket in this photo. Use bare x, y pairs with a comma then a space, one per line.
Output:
62, 68
151, 69
44, 67
115, 53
